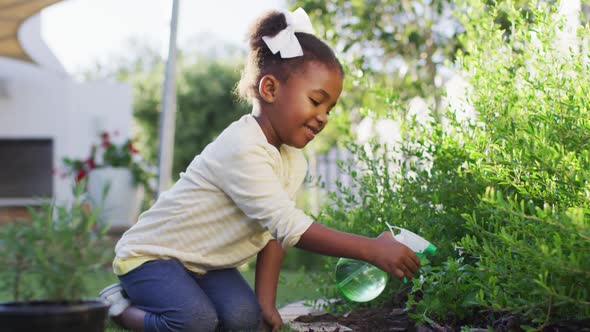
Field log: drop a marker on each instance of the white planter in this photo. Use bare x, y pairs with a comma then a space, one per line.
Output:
121, 206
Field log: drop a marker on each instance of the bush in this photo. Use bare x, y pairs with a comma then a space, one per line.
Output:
51, 256
530, 230
507, 202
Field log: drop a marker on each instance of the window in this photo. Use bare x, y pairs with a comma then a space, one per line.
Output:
25, 168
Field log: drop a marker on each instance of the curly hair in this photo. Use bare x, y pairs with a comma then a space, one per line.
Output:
262, 62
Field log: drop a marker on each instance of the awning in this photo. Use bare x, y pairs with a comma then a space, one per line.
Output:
12, 14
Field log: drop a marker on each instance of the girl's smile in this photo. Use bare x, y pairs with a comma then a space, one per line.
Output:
311, 132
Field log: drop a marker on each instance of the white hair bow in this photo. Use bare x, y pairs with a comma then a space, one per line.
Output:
285, 41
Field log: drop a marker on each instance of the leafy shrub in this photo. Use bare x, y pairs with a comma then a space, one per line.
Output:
51, 256
507, 202
531, 229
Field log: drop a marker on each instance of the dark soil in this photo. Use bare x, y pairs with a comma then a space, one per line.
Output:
395, 319
374, 319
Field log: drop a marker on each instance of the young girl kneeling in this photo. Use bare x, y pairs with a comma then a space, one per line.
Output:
177, 264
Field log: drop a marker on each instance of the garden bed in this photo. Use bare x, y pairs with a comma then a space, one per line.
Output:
395, 319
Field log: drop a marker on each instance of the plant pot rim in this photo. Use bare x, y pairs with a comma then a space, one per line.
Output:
48, 307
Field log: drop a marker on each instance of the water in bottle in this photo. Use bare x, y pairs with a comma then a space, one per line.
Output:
359, 281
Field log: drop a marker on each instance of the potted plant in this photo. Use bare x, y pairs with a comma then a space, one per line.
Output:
46, 262
117, 178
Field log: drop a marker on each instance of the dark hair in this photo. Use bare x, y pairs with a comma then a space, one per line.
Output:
262, 62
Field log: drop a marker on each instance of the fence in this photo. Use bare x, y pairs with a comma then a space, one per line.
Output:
323, 175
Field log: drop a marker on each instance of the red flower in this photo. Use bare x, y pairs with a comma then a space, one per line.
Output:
105, 136
106, 143
80, 174
132, 148
90, 162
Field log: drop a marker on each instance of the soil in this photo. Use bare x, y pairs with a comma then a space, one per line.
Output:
374, 319
395, 319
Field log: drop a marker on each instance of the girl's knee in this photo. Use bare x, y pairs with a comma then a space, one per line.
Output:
202, 323
196, 318
200, 318
242, 318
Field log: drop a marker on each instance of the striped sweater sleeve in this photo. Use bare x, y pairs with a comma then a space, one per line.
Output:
246, 174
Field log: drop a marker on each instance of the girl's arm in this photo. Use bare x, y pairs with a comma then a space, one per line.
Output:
268, 267
383, 251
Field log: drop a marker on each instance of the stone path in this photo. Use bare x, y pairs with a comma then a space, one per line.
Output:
294, 310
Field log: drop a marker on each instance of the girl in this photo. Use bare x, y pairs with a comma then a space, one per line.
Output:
177, 264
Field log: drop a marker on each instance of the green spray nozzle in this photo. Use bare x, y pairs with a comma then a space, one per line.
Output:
413, 241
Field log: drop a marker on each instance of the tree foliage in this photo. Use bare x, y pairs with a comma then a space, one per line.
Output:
206, 106
401, 43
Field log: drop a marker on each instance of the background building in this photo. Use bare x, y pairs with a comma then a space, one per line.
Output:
46, 115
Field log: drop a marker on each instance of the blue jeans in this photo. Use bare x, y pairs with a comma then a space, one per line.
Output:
176, 299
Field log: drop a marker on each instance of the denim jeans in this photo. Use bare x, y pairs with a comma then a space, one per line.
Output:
176, 299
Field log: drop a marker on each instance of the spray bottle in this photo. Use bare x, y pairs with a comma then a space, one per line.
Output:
360, 281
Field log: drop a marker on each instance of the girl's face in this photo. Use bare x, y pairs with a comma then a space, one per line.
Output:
302, 105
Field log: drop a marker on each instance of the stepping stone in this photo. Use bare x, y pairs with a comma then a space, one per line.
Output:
296, 309
291, 311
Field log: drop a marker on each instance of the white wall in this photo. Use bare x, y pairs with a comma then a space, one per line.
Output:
42, 101
29, 36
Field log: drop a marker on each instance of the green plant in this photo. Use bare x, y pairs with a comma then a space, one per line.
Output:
530, 230
506, 201
51, 256
445, 292
109, 154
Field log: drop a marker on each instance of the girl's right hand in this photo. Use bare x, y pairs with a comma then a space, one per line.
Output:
393, 257
271, 318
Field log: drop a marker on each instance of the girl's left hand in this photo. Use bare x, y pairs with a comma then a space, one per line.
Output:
271, 318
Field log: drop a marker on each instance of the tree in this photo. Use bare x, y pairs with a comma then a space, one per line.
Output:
206, 105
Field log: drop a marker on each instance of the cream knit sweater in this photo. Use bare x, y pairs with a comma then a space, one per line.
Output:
232, 199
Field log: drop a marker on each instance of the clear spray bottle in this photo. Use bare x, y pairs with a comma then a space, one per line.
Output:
360, 281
